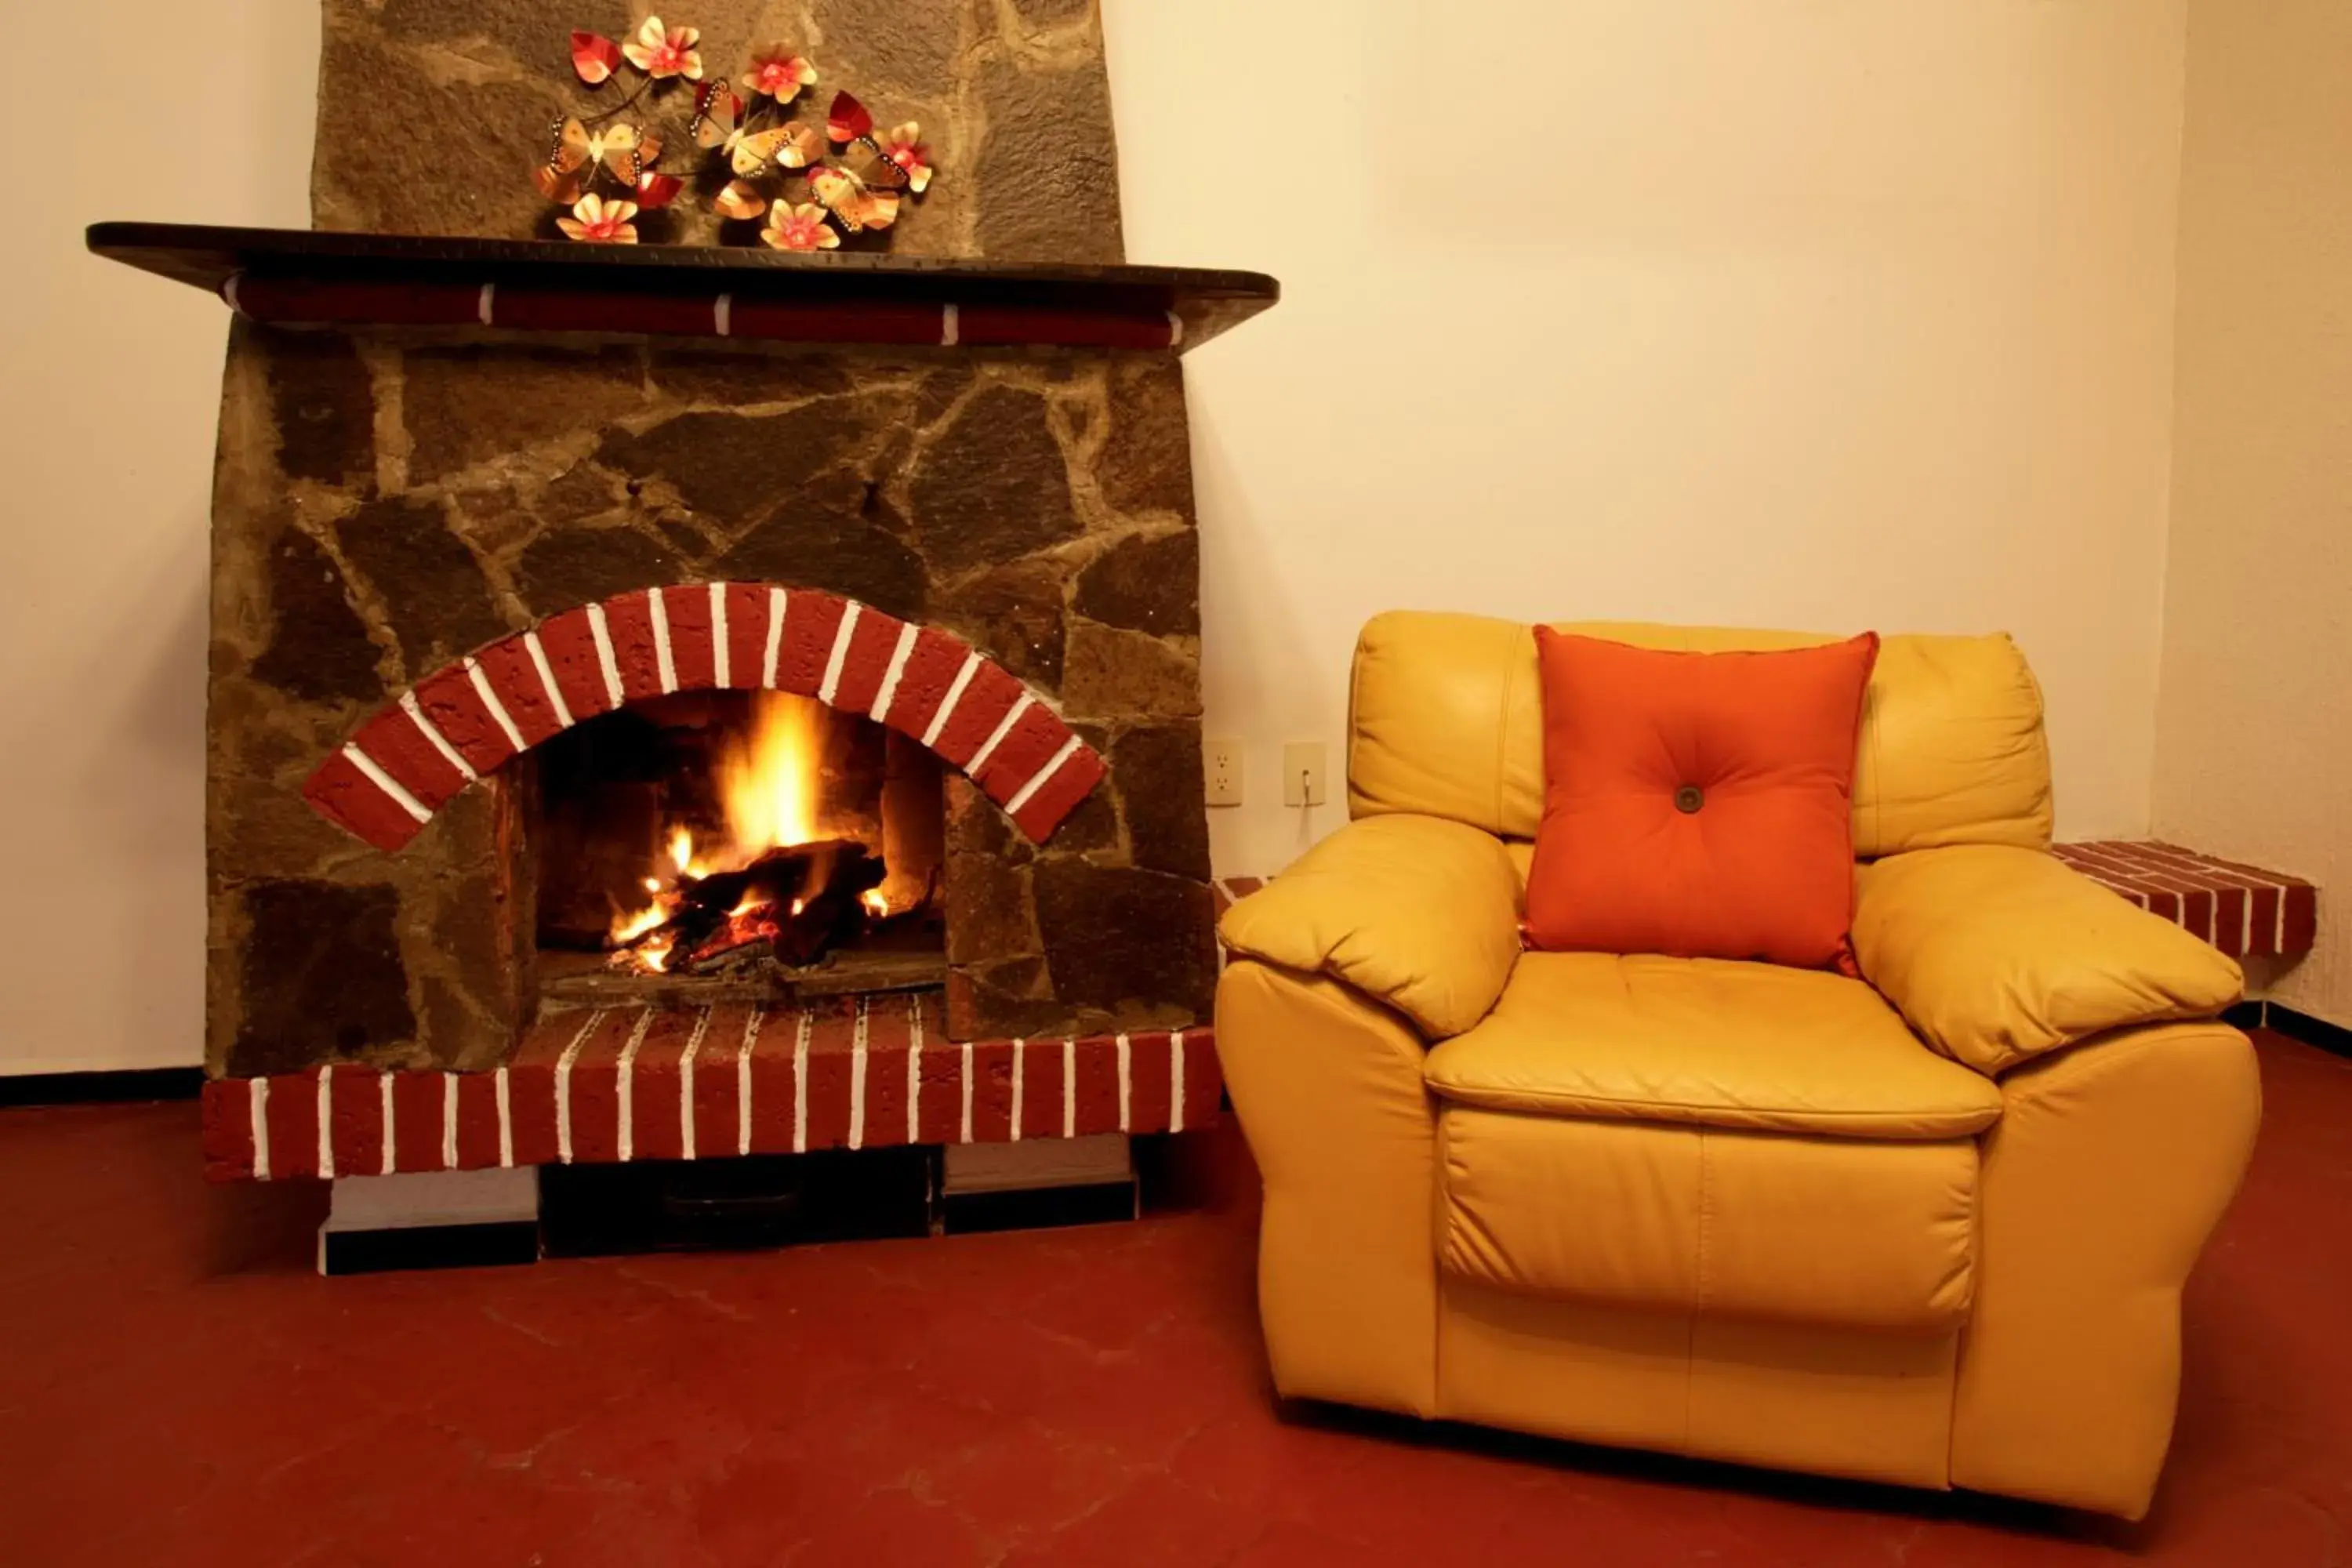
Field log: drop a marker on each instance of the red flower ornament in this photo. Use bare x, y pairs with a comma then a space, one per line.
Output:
657, 191
904, 146
776, 72
848, 119
661, 52
801, 228
595, 221
595, 57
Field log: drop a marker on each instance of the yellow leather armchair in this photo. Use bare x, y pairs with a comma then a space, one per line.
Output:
1929, 1226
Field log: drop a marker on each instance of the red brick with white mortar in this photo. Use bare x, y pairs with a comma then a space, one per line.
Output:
416, 753
2242, 909
611, 1085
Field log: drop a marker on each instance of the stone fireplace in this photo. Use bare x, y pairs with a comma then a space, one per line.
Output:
594, 694
847, 504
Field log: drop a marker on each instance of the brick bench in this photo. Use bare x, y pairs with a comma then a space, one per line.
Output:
2242, 909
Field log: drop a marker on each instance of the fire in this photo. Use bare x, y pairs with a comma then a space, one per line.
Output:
686, 866
769, 784
682, 858
770, 781
629, 927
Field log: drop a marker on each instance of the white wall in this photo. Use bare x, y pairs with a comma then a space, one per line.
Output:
1824, 313
2255, 733
187, 110
1820, 312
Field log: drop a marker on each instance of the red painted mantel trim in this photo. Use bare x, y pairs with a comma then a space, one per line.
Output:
418, 751
612, 1085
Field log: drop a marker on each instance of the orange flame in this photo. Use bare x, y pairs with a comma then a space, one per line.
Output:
629, 927
769, 784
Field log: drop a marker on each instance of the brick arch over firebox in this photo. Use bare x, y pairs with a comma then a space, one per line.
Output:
417, 753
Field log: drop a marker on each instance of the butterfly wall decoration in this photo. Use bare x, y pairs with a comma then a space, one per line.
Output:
756, 148
757, 153
861, 188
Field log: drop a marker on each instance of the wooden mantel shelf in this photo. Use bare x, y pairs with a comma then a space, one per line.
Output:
314, 278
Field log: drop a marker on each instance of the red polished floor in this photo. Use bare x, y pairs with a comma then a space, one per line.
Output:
176, 1386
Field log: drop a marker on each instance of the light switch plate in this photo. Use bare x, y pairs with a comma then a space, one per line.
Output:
1222, 762
1302, 774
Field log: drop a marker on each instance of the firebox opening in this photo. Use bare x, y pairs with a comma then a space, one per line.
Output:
731, 845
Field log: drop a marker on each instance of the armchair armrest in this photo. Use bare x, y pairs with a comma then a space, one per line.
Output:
1997, 954
1418, 912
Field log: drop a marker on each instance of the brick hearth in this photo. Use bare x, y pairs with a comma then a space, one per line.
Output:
612, 1085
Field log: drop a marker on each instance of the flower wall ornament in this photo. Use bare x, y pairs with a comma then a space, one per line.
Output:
802, 228
596, 57
663, 52
657, 191
776, 72
904, 146
853, 178
585, 151
600, 222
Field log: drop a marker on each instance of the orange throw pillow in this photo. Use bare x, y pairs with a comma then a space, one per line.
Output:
1698, 804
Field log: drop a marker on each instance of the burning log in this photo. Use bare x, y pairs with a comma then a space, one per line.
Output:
724, 954
792, 903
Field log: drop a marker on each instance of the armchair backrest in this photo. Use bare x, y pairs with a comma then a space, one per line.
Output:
1445, 718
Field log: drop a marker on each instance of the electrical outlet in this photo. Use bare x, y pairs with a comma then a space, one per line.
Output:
1302, 774
1222, 762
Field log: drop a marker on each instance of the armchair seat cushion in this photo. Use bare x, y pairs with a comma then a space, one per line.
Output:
1773, 1226
1708, 1042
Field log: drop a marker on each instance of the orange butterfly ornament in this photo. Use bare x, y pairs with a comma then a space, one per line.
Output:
720, 124
751, 150
575, 153
861, 191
